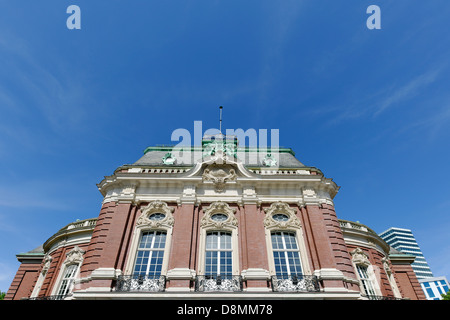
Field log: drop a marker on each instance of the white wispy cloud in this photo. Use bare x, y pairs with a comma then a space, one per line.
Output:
405, 91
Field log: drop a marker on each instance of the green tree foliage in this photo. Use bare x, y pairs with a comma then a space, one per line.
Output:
446, 296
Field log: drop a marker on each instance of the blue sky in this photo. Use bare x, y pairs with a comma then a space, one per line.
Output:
370, 108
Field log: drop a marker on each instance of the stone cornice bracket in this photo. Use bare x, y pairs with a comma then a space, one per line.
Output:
219, 207
144, 219
310, 196
219, 175
359, 257
284, 209
128, 192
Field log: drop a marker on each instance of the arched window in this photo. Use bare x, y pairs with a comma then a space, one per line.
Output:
218, 259
286, 250
69, 273
147, 264
368, 284
286, 247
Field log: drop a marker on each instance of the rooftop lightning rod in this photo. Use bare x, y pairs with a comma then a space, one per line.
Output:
220, 122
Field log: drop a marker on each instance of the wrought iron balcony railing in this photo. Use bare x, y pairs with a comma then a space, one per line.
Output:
373, 297
56, 297
221, 283
141, 283
295, 283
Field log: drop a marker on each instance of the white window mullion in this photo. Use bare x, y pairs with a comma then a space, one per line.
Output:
152, 246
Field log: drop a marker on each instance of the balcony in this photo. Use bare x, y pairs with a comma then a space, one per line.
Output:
373, 297
141, 283
218, 283
295, 283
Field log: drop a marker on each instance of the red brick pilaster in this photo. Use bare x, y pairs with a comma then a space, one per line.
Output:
255, 260
106, 250
180, 261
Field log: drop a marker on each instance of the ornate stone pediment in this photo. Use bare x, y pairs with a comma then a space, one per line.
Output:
360, 257
74, 256
281, 216
219, 175
219, 208
156, 214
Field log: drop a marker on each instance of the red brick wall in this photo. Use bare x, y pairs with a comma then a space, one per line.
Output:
24, 281
407, 282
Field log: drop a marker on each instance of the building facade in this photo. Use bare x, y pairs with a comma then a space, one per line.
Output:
216, 221
404, 241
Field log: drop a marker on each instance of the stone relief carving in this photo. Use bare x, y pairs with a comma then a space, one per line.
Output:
219, 175
281, 208
219, 207
360, 257
169, 159
47, 261
269, 161
74, 256
156, 207
386, 266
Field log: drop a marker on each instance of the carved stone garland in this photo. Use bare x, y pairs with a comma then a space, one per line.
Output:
281, 208
156, 207
219, 207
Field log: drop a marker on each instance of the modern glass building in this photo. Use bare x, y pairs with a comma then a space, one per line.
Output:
404, 241
435, 287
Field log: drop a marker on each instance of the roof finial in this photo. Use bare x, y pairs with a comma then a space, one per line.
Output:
220, 119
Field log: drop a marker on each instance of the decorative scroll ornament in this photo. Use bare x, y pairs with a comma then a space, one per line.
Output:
281, 209
219, 207
74, 256
219, 175
47, 261
269, 161
165, 217
169, 159
359, 257
386, 266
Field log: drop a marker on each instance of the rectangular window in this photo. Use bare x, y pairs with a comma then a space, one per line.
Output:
149, 258
286, 254
365, 280
67, 280
218, 257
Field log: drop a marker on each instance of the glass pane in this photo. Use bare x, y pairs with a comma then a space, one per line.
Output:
219, 217
149, 258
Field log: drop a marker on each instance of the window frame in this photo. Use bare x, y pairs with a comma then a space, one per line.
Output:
73, 257
361, 259
291, 225
230, 225
145, 224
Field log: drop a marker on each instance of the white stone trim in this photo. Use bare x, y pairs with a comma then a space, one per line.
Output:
143, 224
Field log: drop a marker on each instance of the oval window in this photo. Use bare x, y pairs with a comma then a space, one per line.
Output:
219, 217
280, 217
157, 216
